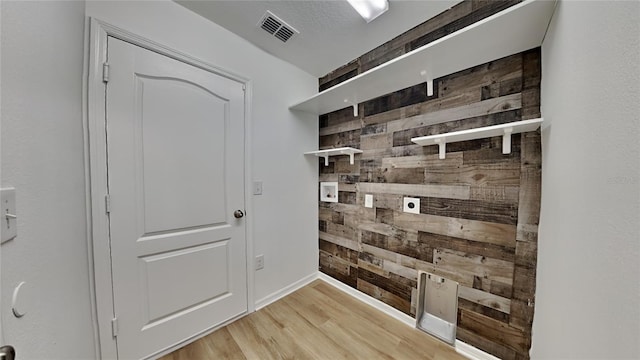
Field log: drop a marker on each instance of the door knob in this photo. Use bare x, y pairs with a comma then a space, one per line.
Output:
7, 352
238, 214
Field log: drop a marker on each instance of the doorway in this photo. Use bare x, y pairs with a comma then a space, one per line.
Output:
172, 172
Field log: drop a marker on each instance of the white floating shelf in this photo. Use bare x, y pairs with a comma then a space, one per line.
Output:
332, 152
504, 130
519, 28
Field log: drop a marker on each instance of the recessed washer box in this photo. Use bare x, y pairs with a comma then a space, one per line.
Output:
329, 191
411, 205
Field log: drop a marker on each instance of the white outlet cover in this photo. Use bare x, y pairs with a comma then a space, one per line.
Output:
411, 205
368, 200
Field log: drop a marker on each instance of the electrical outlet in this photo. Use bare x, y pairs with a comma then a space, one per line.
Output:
260, 262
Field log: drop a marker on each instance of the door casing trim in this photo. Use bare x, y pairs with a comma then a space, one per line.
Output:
95, 158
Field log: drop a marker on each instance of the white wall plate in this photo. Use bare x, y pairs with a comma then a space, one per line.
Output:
368, 200
411, 205
9, 227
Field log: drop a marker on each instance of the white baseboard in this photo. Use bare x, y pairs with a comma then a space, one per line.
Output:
473, 352
275, 296
461, 347
379, 305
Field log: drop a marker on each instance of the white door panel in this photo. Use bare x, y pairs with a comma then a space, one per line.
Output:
179, 191
176, 175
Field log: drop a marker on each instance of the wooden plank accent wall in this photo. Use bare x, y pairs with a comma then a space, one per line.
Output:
479, 209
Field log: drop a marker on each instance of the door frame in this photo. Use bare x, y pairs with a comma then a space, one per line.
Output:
95, 151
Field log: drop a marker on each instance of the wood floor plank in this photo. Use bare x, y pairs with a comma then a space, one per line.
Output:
316, 322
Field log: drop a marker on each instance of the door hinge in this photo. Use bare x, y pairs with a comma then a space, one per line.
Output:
107, 203
105, 72
244, 87
114, 327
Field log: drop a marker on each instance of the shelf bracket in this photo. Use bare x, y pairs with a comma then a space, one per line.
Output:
506, 140
351, 156
442, 147
326, 160
429, 80
354, 105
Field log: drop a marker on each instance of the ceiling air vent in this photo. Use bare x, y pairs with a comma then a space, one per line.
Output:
276, 27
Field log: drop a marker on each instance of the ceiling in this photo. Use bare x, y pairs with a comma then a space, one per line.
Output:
331, 31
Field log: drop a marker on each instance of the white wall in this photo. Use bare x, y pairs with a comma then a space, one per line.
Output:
42, 157
588, 282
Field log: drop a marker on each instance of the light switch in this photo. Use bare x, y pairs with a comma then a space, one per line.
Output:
411, 205
9, 221
368, 200
257, 188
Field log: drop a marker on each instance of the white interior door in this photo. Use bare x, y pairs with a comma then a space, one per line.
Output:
175, 138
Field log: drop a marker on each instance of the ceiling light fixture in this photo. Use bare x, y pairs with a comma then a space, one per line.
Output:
369, 9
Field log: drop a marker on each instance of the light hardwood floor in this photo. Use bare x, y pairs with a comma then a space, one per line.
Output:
316, 322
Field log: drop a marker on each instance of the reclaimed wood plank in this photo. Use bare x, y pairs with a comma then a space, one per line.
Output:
521, 315
325, 266
403, 137
445, 191
502, 174
446, 102
490, 211
486, 299
476, 265
363, 265
437, 241
335, 264
343, 139
346, 254
328, 177
403, 176
380, 55
347, 197
411, 95
392, 283
524, 283
509, 67
395, 268
495, 331
341, 231
385, 201
474, 339
481, 231
497, 193
344, 242
337, 117
530, 187
486, 311
526, 254
469, 111
477, 14
421, 161
398, 245
343, 208
339, 75
493, 287
377, 141
385, 296
342, 127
